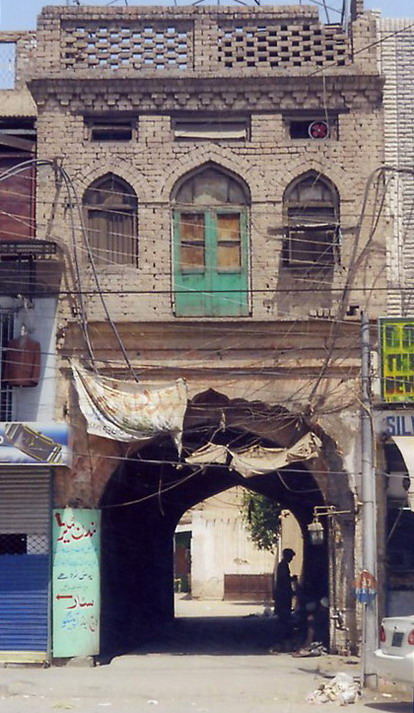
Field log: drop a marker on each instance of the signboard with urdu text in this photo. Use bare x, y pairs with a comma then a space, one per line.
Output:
397, 359
76, 582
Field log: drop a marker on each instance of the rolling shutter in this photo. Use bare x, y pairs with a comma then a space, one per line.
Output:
24, 563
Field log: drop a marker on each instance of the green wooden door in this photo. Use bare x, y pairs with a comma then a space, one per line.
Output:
210, 263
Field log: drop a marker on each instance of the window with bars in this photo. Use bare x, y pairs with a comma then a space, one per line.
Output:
111, 212
311, 207
6, 334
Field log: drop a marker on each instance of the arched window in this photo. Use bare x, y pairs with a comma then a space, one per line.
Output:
311, 208
210, 245
110, 207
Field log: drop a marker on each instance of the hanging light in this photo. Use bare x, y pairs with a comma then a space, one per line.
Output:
316, 532
315, 528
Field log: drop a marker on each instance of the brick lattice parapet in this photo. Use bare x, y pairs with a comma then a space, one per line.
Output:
229, 41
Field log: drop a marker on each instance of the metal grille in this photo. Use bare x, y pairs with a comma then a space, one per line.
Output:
6, 333
24, 502
13, 544
22, 544
24, 561
7, 65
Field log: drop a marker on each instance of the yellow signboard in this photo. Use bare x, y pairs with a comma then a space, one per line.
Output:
397, 359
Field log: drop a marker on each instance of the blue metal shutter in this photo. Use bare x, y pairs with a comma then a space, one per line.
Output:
24, 575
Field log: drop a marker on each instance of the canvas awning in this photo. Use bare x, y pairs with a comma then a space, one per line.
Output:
405, 445
129, 410
257, 460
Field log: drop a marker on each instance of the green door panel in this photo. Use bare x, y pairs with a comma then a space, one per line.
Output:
210, 263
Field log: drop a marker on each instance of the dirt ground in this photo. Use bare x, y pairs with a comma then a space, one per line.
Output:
214, 659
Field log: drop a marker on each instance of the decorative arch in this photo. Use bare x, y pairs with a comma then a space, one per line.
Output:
125, 170
137, 541
316, 181
238, 191
202, 156
311, 210
210, 243
332, 172
111, 214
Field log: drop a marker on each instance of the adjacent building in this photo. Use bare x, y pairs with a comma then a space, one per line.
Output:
394, 415
32, 443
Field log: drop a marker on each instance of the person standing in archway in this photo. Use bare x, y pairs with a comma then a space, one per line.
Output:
283, 593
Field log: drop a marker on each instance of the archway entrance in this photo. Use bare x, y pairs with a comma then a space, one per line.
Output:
149, 492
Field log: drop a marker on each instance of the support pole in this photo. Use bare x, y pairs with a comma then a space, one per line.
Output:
369, 511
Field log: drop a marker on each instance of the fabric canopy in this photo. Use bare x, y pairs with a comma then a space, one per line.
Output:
258, 460
130, 411
405, 445
208, 455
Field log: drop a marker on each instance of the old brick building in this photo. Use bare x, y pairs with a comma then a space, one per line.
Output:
395, 446
211, 194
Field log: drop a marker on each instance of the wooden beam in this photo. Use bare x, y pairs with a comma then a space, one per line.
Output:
17, 143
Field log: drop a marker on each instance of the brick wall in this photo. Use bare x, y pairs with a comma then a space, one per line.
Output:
267, 161
229, 40
25, 43
94, 62
396, 55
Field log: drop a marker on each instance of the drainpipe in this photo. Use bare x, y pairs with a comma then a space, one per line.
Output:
369, 514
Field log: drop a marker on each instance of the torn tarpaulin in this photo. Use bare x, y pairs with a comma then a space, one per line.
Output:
130, 411
258, 460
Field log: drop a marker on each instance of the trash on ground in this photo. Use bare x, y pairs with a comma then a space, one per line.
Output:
316, 648
341, 689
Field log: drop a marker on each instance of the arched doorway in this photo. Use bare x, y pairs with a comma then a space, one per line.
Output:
148, 493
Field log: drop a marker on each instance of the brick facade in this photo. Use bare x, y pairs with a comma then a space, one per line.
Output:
298, 346
396, 56
267, 161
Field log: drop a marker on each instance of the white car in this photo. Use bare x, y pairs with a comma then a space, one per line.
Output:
395, 657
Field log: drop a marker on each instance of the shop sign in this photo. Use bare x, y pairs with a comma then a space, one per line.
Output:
397, 359
34, 443
395, 423
76, 607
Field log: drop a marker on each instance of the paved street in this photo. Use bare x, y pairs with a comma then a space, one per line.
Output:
183, 679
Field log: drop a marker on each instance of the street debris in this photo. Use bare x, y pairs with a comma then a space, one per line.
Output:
316, 648
342, 689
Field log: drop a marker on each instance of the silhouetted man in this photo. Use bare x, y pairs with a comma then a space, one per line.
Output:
283, 592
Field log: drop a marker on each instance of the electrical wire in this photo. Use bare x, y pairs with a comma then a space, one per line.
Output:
161, 490
96, 278
151, 496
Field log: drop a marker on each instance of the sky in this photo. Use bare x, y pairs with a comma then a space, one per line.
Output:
21, 14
